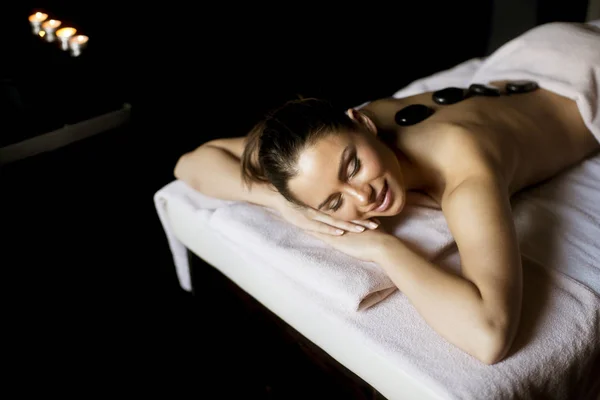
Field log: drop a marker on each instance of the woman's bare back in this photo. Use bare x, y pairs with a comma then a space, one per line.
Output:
527, 138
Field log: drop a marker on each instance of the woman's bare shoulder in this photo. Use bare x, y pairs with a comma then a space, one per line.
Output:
382, 111
452, 150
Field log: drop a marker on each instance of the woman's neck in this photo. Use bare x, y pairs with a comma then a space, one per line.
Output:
417, 176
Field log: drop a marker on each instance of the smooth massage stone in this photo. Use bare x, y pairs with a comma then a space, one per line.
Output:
449, 95
477, 89
521, 87
413, 114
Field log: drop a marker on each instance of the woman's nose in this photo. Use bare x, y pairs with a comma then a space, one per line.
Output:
361, 194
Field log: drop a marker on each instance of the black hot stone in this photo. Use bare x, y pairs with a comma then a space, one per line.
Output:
413, 114
515, 87
477, 89
449, 95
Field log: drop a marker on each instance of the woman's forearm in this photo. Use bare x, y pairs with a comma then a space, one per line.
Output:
450, 304
216, 172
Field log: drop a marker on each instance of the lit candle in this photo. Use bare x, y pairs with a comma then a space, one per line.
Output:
64, 34
36, 21
49, 27
77, 43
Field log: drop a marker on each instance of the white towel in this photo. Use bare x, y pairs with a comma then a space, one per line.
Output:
561, 57
351, 283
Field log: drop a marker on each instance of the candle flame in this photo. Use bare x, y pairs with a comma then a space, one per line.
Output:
65, 32
52, 23
38, 17
79, 39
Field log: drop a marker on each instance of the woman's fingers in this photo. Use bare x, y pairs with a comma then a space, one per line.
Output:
327, 224
370, 224
345, 225
320, 227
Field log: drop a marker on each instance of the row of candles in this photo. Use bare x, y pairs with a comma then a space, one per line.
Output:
50, 29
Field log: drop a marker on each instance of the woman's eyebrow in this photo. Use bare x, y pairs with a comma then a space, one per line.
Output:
341, 172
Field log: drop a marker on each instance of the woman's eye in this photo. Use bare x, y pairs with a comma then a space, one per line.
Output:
354, 167
338, 203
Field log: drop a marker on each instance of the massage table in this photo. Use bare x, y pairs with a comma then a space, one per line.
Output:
387, 346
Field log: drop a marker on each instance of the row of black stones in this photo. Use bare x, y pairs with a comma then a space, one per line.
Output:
415, 113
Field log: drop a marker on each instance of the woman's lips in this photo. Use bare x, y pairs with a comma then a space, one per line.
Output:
387, 199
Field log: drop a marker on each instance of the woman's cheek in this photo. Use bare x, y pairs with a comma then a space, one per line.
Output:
373, 164
348, 213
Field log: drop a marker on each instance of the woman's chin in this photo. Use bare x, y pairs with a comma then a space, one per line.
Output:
395, 209
398, 204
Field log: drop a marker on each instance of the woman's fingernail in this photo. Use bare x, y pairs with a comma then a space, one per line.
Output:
359, 228
339, 232
373, 225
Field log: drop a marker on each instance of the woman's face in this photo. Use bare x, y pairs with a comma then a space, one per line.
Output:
351, 176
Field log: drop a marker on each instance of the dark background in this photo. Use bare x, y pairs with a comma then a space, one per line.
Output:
92, 303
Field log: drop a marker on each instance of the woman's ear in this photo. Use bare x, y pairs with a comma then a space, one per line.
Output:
362, 119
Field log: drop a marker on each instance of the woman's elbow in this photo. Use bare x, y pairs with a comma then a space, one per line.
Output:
184, 172
179, 170
493, 353
189, 164
494, 344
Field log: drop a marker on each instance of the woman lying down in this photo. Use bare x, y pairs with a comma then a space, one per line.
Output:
531, 112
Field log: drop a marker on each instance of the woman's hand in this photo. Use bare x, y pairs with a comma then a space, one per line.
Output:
318, 222
365, 246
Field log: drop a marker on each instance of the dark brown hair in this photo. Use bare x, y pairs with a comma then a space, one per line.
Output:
274, 144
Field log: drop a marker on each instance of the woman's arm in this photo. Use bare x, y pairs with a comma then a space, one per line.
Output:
479, 311
214, 170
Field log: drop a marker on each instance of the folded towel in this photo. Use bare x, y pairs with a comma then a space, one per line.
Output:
351, 283
561, 57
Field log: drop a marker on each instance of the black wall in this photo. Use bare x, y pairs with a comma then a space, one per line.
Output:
196, 71
224, 72
200, 71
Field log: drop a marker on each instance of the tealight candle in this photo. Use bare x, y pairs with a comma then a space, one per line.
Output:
49, 27
77, 43
36, 21
64, 34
